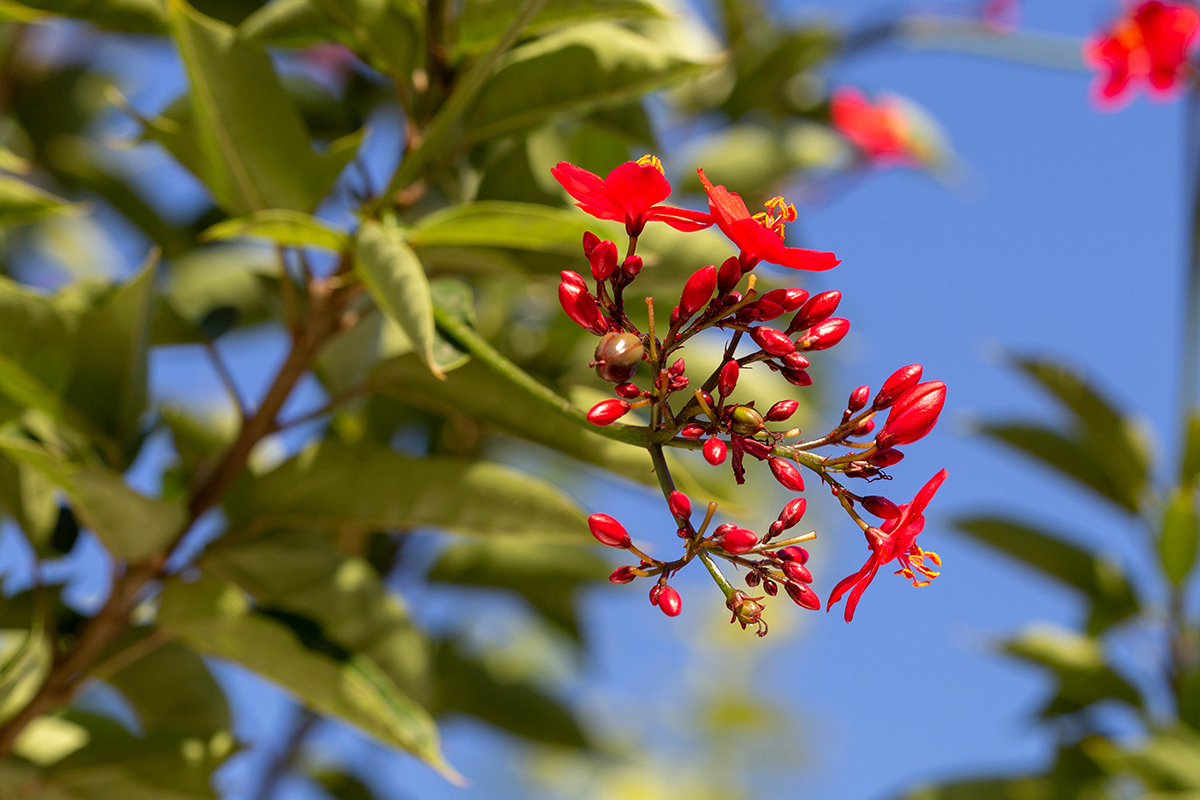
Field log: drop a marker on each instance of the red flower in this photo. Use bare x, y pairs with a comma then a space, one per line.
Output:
1151, 43
630, 194
760, 237
898, 541
879, 130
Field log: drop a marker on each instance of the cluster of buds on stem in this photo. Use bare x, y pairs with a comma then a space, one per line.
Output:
711, 417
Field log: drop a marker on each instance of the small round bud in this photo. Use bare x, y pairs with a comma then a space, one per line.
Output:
819, 308
697, 291
824, 335
655, 593
753, 579
613, 374
792, 513
782, 410
865, 428
858, 399
797, 377
770, 587
794, 361
787, 474
631, 266
677, 368
606, 412
765, 310
797, 572
620, 350
787, 299
885, 458
608, 531
590, 240
738, 541
603, 260
692, 431
727, 381
729, 275
669, 602
573, 279
714, 451
629, 391
680, 506
803, 596
745, 421
913, 415
793, 553
579, 304
723, 529
772, 341
622, 575
897, 384
880, 507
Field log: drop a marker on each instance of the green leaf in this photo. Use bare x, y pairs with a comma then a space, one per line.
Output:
517, 226
1169, 761
482, 21
240, 133
28, 497
1104, 584
341, 786
608, 65
1178, 539
549, 577
287, 228
111, 353
35, 346
332, 484
1189, 468
477, 687
225, 284
1006, 788
132, 525
21, 202
214, 618
1079, 663
170, 687
25, 658
768, 64
396, 280
128, 16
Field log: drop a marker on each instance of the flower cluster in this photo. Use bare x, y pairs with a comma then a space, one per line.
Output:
1149, 43
707, 417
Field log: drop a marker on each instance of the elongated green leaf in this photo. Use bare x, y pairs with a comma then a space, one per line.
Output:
331, 484
608, 65
396, 280
1006, 788
767, 63
28, 497
170, 688
1079, 663
132, 525
1178, 539
1076, 394
22, 202
35, 343
128, 16
1102, 583
518, 226
24, 663
1074, 458
482, 21
240, 133
212, 289
1189, 467
288, 228
214, 618
1168, 762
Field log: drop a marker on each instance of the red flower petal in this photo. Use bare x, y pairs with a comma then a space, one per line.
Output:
635, 188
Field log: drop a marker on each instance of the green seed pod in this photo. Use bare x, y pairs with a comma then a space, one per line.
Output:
746, 421
621, 350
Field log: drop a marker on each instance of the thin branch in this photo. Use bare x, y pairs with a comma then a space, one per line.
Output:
222, 370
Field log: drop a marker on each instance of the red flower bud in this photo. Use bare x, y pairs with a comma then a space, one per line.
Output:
603, 259
796, 572
606, 412
590, 240
819, 308
824, 335
880, 507
793, 553
787, 299
803, 596
619, 350
714, 451
729, 275
913, 415
608, 531
787, 474
753, 579
858, 399
900, 382
774, 342
791, 514
680, 506
573, 278
697, 291
669, 602
723, 529
738, 541
727, 381
794, 361
885, 458
677, 368
707, 398
782, 410
692, 431
770, 587
797, 377
622, 575
629, 391
864, 429
765, 310
631, 266
580, 306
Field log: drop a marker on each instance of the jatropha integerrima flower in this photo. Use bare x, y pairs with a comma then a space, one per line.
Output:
777, 331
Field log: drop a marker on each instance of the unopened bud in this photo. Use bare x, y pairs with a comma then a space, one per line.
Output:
772, 341
770, 587
606, 412
880, 507
803, 596
629, 391
680, 506
727, 381
738, 541
603, 260
885, 458
714, 451
797, 572
858, 399
794, 361
824, 335
765, 310
608, 531
865, 428
620, 350
573, 279
669, 602
790, 299
819, 308
622, 575
590, 240
913, 415
655, 593
697, 291
677, 368
753, 579
900, 382
631, 266
580, 306
729, 275
793, 553
797, 377
792, 513
787, 474
745, 421
782, 410
692, 431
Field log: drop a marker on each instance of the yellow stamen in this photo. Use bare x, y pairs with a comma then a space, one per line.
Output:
778, 212
651, 161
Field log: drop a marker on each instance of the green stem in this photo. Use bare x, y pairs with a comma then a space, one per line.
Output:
726, 587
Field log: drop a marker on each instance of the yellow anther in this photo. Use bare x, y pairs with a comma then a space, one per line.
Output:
652, 161
920, 584
778, 212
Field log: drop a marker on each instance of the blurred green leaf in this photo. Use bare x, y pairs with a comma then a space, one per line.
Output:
341, 786
22, 202
127, 16
332, 484
516, 226
608, 65
396, 280
1103, 583
1079, 664
482, 21
28, 497
235, 284
287, 228
25, 657
549, 577
1178, 537
170, 687
1168, 762
214, 617
35, 347
132, 525
240, 133
1189, 468
768, 65
474, 686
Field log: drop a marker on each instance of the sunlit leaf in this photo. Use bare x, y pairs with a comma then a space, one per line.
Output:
1179, 534
482, 21
22, 202
284, 227
1078, 662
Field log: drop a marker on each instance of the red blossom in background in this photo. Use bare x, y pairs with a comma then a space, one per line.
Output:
1148, 44
760, 236
896, 539
880, 129
631, 194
